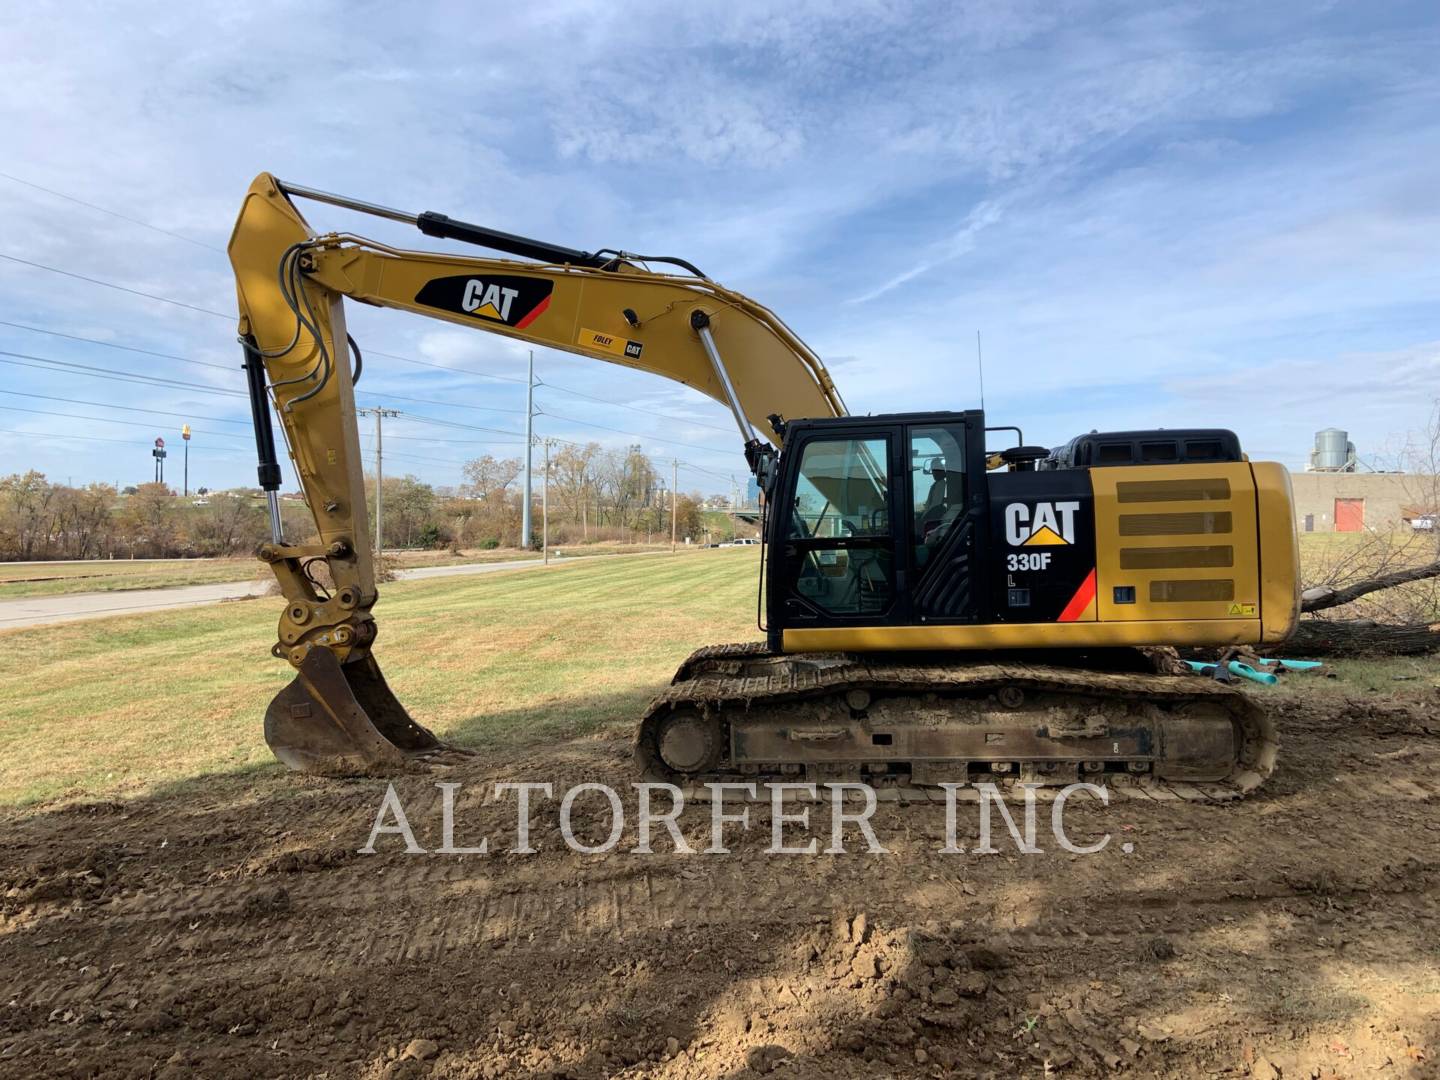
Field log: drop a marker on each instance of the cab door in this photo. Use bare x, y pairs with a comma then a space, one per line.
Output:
945, 520
838, 560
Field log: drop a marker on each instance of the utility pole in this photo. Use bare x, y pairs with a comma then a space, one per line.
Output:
545, 508
529, 443
734, 507
185, 434
379, 415
674, 500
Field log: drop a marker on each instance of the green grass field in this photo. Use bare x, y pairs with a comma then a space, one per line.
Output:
131, 704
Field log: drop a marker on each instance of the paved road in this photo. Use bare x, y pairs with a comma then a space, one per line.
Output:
39, 610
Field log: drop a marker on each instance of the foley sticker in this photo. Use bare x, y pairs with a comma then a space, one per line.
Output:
616, 346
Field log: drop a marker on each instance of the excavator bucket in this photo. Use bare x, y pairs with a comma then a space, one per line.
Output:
342, 719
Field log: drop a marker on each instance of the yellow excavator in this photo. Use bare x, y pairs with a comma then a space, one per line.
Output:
935, 611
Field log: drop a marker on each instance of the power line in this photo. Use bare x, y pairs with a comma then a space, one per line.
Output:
453, 424
149, 380
97, 438
113, 345
247, 423
632, 408
112, 213
219, 314
444, 367
44, 363
687, 464
107, 420
393, 356
127, 408
634, 434
442, 404
207, 311
497, 442
234, 367
423, 459
708, 472
455, 442
169, 383
541, 384
112, 285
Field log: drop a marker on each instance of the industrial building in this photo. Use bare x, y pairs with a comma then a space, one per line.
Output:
1334, 495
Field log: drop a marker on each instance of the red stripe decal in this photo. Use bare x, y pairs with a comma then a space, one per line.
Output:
535, 314
1080, 601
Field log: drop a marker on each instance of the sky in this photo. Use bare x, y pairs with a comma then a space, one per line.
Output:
1154, 215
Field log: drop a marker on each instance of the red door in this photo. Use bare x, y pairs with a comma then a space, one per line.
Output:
1349, 515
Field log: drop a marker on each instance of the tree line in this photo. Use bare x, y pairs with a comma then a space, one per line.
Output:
44, 520
594, 495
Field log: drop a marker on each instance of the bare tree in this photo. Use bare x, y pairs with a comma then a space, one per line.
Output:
409, 512
1421, 461
571, 482
488, 476
149, 519
487, 510
26, 514
85, 519
231, 523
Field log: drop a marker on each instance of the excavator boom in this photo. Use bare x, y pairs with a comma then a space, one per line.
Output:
338, 714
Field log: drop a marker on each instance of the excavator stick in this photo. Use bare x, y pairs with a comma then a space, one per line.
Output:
338, 715
343, 719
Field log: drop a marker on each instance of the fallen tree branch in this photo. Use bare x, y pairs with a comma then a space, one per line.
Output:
1327, 596
1315, 638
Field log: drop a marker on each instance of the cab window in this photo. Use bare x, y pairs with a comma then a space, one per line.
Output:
937, 483
844, 562
842, 490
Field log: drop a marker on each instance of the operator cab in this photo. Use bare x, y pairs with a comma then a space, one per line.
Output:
869, 512
909, 520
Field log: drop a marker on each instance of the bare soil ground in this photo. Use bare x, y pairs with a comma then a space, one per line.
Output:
228, 927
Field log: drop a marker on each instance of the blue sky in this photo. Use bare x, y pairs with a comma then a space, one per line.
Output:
1157, 215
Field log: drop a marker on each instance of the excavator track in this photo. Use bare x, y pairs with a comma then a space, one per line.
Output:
906, 724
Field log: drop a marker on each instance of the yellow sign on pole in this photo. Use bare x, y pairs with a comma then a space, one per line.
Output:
185, 431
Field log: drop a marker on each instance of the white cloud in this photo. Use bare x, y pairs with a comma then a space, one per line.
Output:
1119, 196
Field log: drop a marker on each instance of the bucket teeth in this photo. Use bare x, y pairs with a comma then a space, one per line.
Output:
342, 719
